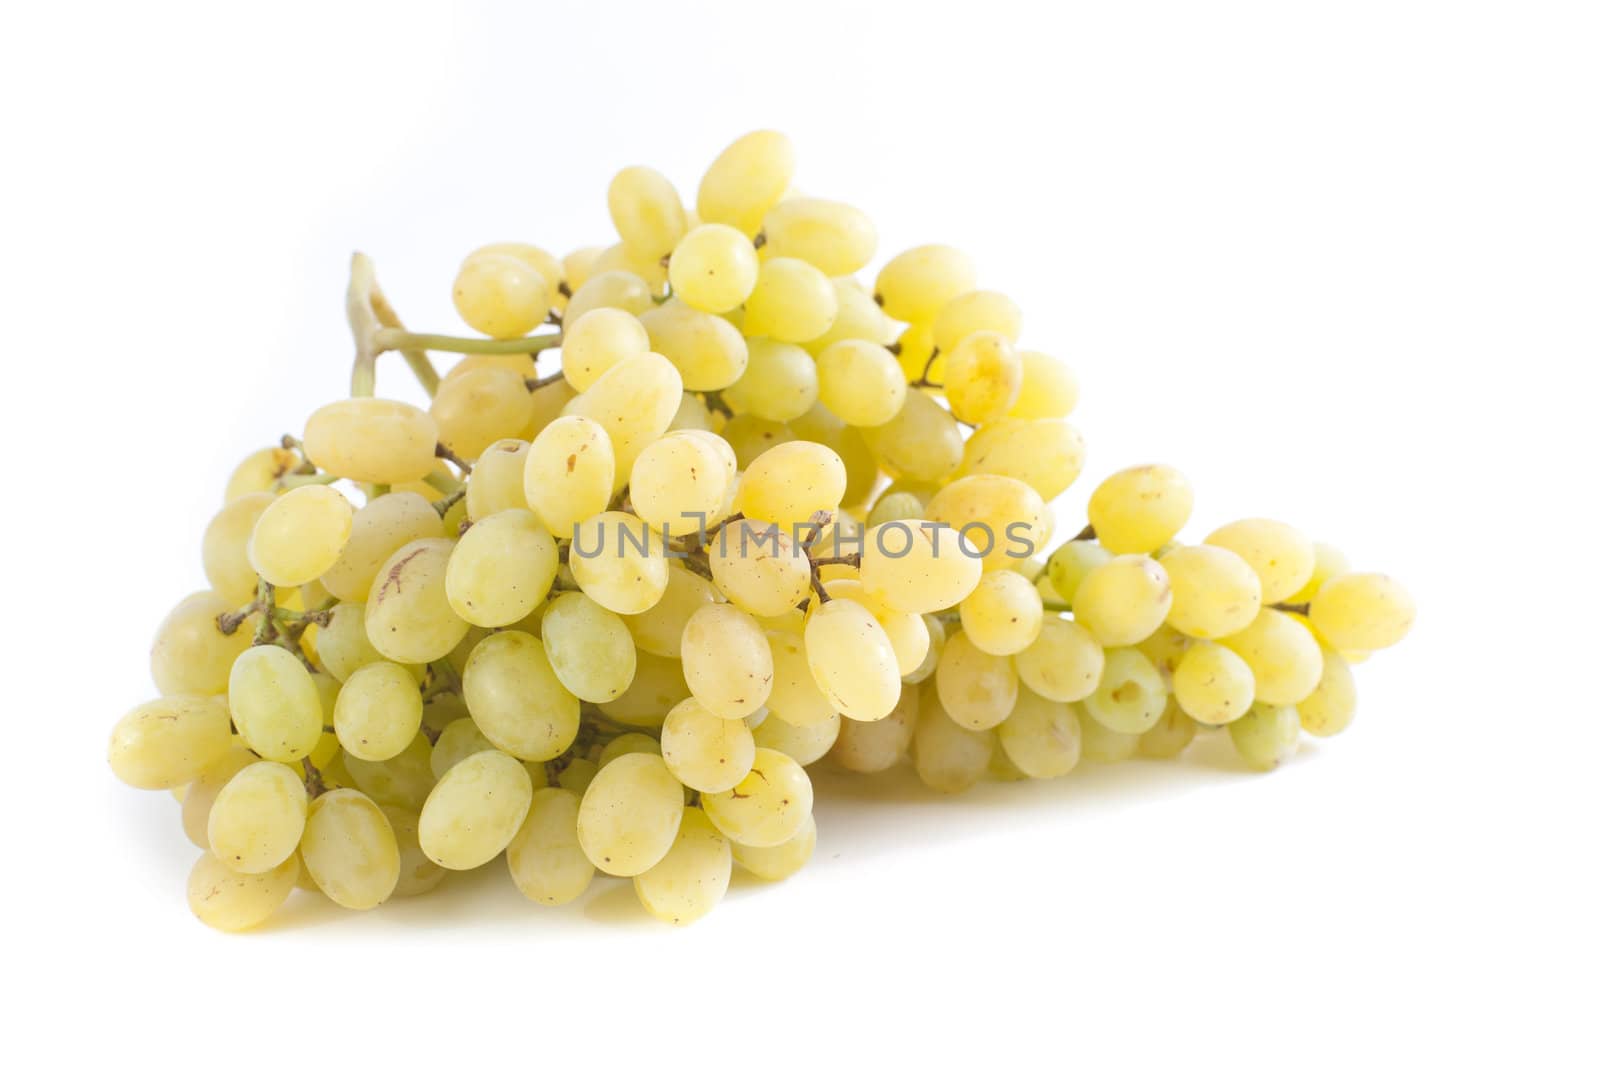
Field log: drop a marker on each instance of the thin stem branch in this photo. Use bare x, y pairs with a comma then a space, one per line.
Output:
543, 381
444, 505
364, 326
443, 451
392, 338
416, 358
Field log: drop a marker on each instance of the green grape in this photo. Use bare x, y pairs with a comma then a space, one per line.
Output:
501, 569
1212, 684
859, 317
201, 793
378, 711
408, 613
546, 862
371, 440
377, 530
922, 442
517, 699
459, 740
646, 211
538, 259
403, 781
1266, 736
635, 401
1041, 737
589, 647
746, 180
418, 873
913, 286
229, 901
1069, 563
480, 408
1047, 455
657, 687
1063, 663
1003, 615
836, 238
275, 704
1362, 611
759, 568
678, 484
707, 752
260, 472
1169, 736
982, 377
860, 381
791, 482
795, 696
976, 689
619, 562
1282, 654
1103, 745
190, 655
707, 350
496, 480
1131, 695
299, 536
608, 289
659, 630
713, 268
1049, 389
727, 660
592, 345
225, 548
750, 436
792, 302
875, 746
692, 877
1124, 600
1282, 556
852, 660
900, 506
256, 820
779, 382
768, 807
630, 814
918, 567
781, 860
341, 645
475, 810
501, 296
1005, 513
948, 757
804, 745
974, 311
350, 850
1214, 591
169, 741
569, 475
1331, 706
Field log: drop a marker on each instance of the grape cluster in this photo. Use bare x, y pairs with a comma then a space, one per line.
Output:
602, 619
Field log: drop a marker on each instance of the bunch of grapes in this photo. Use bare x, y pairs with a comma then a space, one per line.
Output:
601, 619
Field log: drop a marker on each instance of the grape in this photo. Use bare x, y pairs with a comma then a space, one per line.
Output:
634, 401
350, 850
976, 689
713, 268
657, 687
834, 237
705, 751
169, 741
1265, 736
628, 744
1003, 615
377, 530
1123, 601
1282, 654
538, 259
974, 311
820, 425
578, 265
517, 699
418, 873
501, 296
341, 645
1041, 737
679, 484
860, 381
459, 740
1103, 745
619, 562
1214, 591
475, 810
804, 745
609, 289
1213, 685
225, 547
1049, 389
275, 704
908, 635
750, 436
852, 660
570, 472
759, 568
918, 567
899, 506
481, 407
1069, 563
1331, 706
982, 377
1131, 695
1003, 518
201, 793
746, 180
260, 471
779, 381
402, 781
1362, 612
371, 440
1282, 556
792, 302
577, 776
501, 569
408, 613
726, 660
1169, 736
875, 746
795, 696
948, 757
1330, 562
190, 655
229, 901
630, 814
1063, 663
692, 877
622, 257
1047, 455
589, 647
768, 807
791, 482
257, 818
781, 860
496, 480
913, 286
1139, 510
378, 711
707, 350
930, 660
603, 336
646, 211
547, 864
299, 536
659, 630
859, 317
921, 442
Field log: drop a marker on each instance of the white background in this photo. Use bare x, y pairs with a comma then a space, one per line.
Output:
1340, 262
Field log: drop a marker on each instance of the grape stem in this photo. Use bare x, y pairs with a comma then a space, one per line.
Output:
393, 338
1084, 536
927, 366
443, 451
313, 778
415, 357
228, 623
1301, 608
442, 483
267, 603
364, 326
543, 381
443, 505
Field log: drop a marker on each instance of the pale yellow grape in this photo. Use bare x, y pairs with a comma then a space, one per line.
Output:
1003, 518
713, 268
377, 530
609, 290
1049, 389
1331, 706
948, 757
657, 687
594, 343
659, 630
1047, 455
1003, 615
860, 381
634, 401
570, 471
1330, 562
403, 781
982, 377
371, 440
1069, 563
1063, 663
1266, 736
1124, 600
852, 660
619, 562
646, 211
692, 414
1041, 737
1214, 591
768, 806
820, 425
630, 814
1131, 695
705, 751
516, 698
918, 567
461, 739
781, 860
750, 436
628, 744
908, 635
190, 655
1103, 745
1282, 654
1139, 510
1213, 685
170, 741
717, 445
578, 265
746, 180
837, 238
707, 350
523, 364
475, 810
408, 614
1282, 555
976, 310
795, 697
803, 744
1169, 736
479, 408
976, 689
378, 711
350, 850
859, 317
342, 645
501, 569
875, 746
260, 471
536, 258
501, 296
1363, 611
913, 286
790, 482
225, 548
727, 660
1164, 647
418, 873
228, 901
630, 259
900, 506
275, 704
577, 775
930, 660
201, 793
792, 302
779, 382
256, 821
589, 647
496, 480
692, 877
678, 484
299, 536
546, 862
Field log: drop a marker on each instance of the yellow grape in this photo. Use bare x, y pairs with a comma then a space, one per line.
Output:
1330, 562
837, 238
746, 180
378, 711
475, 810
628, 744
1170, 736
570, 472
408, 613
875, 746
1063, 663
974, 311
679, 484
1049, 389
377, 530
949, 757
1282, 653
275, 704
930, 660
479, 408
860, 382
781, 860
1362, 611
713, 268
1047, 455
922, 442
795, 697
779, 382
350, 850
372, 440
707, 350
169, 741
859, 317
299, 536
619, 562
727, 661
227, 901
1331, 706
1131, 695
546, 861
820, 425
792, 302
1041, 737
1103, 745
538, 259
1124, 600
1214, 591
1069, 563
918, 567
201, 793
852, 660
646, 211
501, 296
496, 480
659, 630
589, 647
601, 338
982, 377
609, 290
790, 482
516, 698
707, 752
1266, 736
634, 401
190, 655
418, 873
692, 877
803, 744
1139, 510
630, 815
770, 805
1003, 615
1212, 684
260, 472
657, 687
225, 548
976, 689
631, 260
256, 820
1282, 556
403, 781
1003, 518
501, 569
342, 646
913, 286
